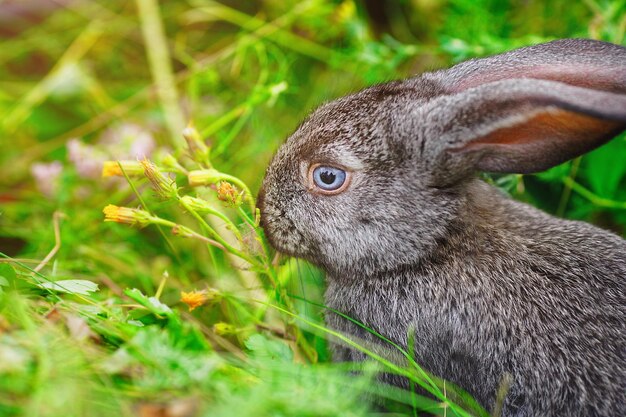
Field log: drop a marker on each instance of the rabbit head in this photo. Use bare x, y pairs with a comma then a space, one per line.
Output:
373, 181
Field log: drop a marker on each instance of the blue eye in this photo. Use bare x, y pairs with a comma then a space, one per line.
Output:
329, 178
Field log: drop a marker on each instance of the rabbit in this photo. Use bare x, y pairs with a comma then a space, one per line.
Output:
380, 190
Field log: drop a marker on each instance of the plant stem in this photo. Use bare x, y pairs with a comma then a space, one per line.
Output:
593, 198
567, 190
161, 67
217, 237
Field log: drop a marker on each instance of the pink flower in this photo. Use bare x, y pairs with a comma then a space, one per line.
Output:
87, 159
46, 176
128, 141
124, 142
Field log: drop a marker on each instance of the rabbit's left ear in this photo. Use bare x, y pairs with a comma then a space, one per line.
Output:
526, 110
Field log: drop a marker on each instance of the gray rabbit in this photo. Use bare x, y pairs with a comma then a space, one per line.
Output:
379, 189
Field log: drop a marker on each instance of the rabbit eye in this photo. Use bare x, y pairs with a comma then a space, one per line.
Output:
329, 179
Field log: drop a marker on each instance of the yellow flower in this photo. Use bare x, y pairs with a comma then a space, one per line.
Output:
112, 168
203, 177
195, 299
228, 193
165, 187
223, 329
345, 11
126, 215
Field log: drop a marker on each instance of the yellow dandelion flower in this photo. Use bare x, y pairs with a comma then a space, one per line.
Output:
194, 299
112, 168
126, 215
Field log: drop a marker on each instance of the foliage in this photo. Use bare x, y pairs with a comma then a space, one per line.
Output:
182, 309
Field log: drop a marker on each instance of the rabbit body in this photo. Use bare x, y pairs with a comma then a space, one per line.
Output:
504, 294
415, 242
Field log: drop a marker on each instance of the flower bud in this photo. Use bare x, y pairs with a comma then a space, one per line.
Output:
223, 329
112, 168
169, 161
125, 215
182, 231
203, 177
164, 186
199, 151
197, 204
228, 193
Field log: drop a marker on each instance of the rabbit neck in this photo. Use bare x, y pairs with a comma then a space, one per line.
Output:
468, 212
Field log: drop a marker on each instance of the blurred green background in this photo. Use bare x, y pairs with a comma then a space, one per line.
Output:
82, 82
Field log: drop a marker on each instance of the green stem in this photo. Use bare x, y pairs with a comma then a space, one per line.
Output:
278, 35
567, 190
217, 237
593, 198
159, 221
145, 207
161, 67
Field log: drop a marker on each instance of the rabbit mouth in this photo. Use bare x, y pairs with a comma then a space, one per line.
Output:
283, 235
280, 230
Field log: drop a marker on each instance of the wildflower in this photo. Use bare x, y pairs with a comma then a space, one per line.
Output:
195, 299
228, 193
170, 163
47, 177
197, 204
112, 168
128, 141
165, 187
125, 215
87, 159
345, 11
197, 148
203, 177
223, 329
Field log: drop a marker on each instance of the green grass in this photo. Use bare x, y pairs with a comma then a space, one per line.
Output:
95, 81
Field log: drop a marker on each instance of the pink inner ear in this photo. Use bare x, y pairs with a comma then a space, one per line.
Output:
540, 142
595, 78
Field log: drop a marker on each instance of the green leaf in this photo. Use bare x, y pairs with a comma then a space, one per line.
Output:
71, 286
556, 173
151, 303
7, 275
605, 168
264, 348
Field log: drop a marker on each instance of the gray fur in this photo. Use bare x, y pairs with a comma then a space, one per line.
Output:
490, 285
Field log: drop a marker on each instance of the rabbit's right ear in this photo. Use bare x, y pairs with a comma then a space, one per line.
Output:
494, 123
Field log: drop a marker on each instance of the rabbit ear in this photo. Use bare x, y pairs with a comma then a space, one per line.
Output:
580, 62
518, 125
528, 109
